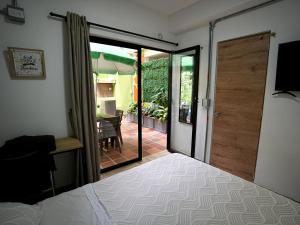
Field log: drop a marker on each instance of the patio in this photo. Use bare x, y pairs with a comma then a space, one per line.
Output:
153, 142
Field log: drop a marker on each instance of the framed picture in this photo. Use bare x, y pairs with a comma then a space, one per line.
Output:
26, 64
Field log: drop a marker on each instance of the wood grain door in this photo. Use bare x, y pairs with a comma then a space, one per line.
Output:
240, 86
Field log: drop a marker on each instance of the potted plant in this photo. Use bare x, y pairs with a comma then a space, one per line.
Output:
161, 115
147, 110
161, 97
132, 113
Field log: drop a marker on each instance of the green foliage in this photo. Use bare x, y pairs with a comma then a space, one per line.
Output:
161, 97
148, 109
161, 113
133, 108
186, 88
156, 111
155, 78
155, 89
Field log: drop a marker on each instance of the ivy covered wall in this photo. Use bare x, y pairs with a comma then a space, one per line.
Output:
155, 78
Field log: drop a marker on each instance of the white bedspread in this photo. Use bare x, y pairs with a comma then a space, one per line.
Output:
176, 189
77, 207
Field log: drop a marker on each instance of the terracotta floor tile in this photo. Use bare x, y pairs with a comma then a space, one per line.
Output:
132, 156
120, 160
145, 153
107, 164
153, 150
153, 142
112, 154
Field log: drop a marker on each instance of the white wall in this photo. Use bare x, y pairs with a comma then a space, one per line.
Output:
40, 107
36, 107
278, 155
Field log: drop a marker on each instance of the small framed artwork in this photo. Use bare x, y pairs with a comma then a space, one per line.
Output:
26, 64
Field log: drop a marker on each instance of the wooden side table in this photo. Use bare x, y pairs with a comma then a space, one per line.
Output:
64, 145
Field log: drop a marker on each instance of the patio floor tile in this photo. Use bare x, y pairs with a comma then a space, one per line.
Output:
152, 141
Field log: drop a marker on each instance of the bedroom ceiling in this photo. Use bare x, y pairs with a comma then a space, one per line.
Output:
166, 7
185, 15
171, 7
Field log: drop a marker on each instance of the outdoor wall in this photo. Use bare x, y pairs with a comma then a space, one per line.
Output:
35, 107
123, 90
278, 154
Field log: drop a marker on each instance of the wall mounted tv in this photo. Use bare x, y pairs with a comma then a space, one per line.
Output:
288, 67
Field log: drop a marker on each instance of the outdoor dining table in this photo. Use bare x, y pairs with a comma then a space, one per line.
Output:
104, 116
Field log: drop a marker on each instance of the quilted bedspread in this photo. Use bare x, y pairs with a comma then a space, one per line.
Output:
176, 189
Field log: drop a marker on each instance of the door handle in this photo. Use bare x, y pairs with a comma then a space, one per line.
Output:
217, 114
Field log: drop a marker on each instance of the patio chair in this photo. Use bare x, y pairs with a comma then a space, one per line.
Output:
120, 114
108, 128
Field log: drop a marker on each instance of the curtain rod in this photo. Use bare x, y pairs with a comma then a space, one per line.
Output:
116, 29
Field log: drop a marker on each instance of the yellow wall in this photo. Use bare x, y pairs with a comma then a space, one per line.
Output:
123, 90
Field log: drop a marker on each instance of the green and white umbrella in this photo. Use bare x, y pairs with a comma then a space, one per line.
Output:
187, 63
109, 59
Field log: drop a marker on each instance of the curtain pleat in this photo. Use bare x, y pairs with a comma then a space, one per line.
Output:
82, 95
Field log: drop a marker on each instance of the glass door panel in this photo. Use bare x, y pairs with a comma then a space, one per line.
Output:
155, 88
116, 80
185, 72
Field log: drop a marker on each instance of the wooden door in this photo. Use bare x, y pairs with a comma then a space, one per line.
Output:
240, 86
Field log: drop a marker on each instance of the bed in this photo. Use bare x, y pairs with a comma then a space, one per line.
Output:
173, 189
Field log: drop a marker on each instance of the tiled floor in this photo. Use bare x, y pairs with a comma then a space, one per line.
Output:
145, 159
153, 142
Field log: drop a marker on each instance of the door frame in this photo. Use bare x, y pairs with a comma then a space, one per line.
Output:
106, 41
195, 98
197, 48
215, 92
138, 47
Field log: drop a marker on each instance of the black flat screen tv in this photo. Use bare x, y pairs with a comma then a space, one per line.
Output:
288, 67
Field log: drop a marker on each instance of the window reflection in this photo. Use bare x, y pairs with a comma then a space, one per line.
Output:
186, 85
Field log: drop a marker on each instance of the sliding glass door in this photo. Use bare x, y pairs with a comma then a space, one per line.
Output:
117, 79
155, 87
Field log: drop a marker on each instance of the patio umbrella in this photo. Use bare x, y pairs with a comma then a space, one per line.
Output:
187, 63
112, 60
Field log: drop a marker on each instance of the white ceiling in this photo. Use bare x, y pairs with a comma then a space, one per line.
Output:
185, 15
166, 7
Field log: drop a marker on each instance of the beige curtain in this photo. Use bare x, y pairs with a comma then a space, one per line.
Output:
82, 93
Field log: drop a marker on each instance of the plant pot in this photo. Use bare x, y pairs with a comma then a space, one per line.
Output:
135, 118
130, 117
160, 126
148, 122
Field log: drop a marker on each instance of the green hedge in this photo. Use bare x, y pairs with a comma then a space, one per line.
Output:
155, 78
